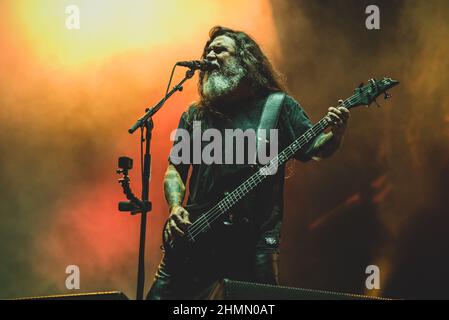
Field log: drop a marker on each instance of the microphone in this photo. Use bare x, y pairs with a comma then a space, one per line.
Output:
204, 65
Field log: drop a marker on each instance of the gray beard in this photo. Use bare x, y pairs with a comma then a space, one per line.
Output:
222, 82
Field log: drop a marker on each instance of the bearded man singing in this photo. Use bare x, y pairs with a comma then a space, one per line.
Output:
233, 96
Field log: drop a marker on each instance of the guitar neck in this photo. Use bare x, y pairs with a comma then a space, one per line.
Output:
232, 198
364, 95
253, 181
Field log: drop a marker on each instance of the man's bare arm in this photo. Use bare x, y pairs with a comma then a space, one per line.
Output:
174, 187
174, 190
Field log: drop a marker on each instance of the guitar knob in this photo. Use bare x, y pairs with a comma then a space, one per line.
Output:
387, 95
230, 220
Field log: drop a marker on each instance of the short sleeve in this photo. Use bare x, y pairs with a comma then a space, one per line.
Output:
295, 122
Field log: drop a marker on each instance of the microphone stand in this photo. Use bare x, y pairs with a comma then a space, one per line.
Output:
146, 123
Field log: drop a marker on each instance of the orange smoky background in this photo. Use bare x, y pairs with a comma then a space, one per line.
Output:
67, 98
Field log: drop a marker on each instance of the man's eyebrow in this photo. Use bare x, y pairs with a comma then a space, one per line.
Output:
215, 46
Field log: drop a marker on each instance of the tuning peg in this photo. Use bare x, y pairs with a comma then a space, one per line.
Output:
387, 95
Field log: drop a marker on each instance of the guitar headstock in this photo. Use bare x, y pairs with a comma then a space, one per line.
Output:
366, 94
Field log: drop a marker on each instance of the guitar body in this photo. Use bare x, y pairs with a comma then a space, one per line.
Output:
208, 235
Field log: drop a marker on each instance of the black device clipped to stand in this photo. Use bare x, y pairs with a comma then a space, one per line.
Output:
143, 205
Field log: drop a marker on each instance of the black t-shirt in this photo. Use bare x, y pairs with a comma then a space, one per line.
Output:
264, 206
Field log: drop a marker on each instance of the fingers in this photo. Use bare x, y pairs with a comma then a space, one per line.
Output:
335, 116
341, 112
345, 112
173, 227
185, 217
338, 116
181, 217
167, 234
177, 224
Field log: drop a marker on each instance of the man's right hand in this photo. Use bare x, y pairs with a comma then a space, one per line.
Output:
177, 224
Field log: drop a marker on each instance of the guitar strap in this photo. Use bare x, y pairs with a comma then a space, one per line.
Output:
269, 118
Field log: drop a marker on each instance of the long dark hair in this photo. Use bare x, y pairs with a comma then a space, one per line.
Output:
260, 74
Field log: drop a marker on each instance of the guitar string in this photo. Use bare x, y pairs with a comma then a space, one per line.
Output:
227, 202
235, 195
231, 199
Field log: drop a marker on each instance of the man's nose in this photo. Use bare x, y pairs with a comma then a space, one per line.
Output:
211, 56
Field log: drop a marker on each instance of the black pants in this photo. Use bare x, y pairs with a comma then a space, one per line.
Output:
175, 282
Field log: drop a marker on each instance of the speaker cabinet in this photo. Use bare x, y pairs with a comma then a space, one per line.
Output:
109, 295
239, 290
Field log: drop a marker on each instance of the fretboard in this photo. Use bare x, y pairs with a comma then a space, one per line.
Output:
231, 199
253, 181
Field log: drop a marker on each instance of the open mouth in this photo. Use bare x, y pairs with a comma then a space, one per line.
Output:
216, 64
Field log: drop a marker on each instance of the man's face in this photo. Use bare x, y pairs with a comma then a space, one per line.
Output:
221, 50
221, 83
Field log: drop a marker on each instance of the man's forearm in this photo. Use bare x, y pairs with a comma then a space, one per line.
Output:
174, 188
326, 145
